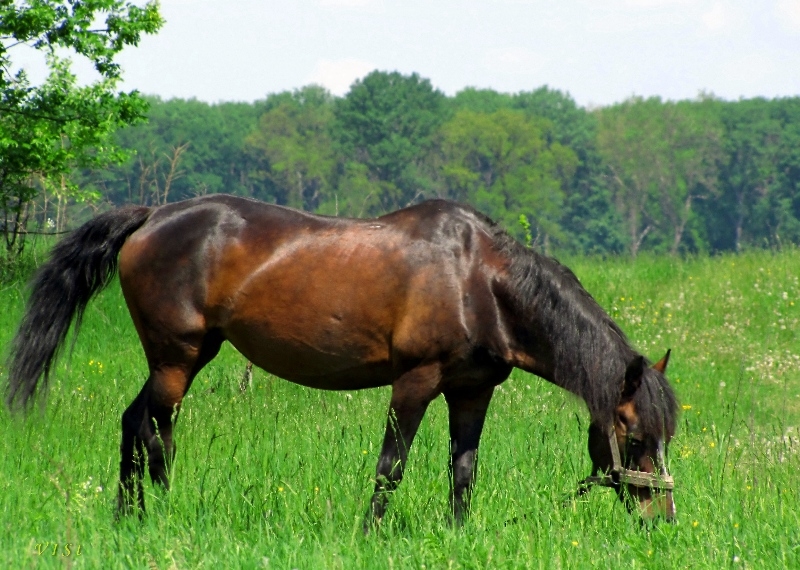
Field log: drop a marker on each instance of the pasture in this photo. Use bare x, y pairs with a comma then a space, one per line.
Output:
280, 476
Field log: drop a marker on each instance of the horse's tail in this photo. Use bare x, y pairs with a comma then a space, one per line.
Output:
79, 266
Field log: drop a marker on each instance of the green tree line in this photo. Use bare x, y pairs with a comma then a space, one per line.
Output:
705, 175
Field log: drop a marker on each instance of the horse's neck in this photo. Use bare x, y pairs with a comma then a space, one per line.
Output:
546, 343
527, 348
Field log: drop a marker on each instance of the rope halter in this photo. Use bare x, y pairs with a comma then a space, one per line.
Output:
618, 474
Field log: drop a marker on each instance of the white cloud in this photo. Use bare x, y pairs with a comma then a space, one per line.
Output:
513, 60
346, 3
722, 17
337, 76
654, 3
749, 71
789, 13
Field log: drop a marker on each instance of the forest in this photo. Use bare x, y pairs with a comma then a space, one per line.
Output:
699, 176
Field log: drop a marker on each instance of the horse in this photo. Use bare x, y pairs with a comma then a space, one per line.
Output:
433, 299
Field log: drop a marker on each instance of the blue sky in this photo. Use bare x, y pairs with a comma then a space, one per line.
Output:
600, 52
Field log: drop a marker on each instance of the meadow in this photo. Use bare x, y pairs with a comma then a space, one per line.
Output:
279, 476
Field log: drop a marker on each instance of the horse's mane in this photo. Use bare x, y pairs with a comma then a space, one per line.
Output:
590, 351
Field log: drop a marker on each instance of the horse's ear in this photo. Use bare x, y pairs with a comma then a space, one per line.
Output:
633, 377
661, 365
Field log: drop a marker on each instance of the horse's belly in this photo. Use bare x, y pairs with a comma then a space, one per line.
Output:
319, 358
359, 378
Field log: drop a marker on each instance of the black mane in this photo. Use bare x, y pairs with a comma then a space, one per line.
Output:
590, 351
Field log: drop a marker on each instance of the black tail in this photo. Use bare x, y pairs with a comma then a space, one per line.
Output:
80, 265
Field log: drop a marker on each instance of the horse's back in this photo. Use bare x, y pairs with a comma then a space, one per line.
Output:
328, 302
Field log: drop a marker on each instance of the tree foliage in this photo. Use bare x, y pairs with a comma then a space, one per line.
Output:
759, 203
660, 159
503, 163
387, 123
48, 130
294, 147
215, 159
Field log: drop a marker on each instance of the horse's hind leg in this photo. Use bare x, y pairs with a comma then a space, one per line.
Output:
467, 415
147, 429
148, 422
131, 464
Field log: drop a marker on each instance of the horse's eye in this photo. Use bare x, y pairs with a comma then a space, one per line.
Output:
635, 443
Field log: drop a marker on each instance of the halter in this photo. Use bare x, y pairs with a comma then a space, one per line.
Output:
619, 474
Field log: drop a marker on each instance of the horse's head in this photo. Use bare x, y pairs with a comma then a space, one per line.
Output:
631, 453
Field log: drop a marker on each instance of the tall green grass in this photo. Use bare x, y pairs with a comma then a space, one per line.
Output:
280, 476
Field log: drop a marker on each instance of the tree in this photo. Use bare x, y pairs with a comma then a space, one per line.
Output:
589, 219
661, 158
387, 122
215, 159
503, 163
759, 202
293, 144
50, 129
690, 169
480, 100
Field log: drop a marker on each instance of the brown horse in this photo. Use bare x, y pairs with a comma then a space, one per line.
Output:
432, 299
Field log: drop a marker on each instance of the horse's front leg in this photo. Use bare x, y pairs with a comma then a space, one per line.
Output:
467, 415
411, 394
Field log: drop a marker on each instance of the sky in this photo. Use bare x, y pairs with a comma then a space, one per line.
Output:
598, 51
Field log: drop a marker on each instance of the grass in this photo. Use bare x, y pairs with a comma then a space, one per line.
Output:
280, 476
